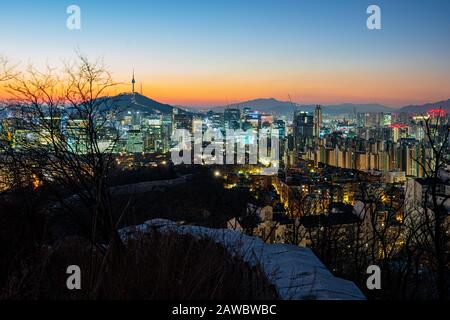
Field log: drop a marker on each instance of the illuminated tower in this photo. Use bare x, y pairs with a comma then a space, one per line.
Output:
132, 83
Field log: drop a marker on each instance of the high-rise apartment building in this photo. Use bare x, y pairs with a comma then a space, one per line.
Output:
318, 120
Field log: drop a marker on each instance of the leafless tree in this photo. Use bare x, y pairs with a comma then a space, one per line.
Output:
386, 239
7, 70
431, 213
299, 205
61, 123
381, 236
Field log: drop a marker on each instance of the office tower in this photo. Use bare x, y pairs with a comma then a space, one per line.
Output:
215, 119
198, 125
153, 134
371, 120
183, 121
378, 119
134, 141
232, 119
303, 124
280, 125
76, 131
360, 120
252, 119
167, 129
387, 119
302, 129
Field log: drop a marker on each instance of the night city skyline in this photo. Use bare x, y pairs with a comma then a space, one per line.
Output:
222, 159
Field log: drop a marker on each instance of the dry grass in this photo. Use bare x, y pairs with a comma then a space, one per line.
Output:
152, 266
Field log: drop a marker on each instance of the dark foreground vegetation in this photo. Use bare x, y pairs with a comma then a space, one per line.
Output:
39, 240
157, 267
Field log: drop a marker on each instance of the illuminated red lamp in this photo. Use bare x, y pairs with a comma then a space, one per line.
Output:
436, 112
397, 126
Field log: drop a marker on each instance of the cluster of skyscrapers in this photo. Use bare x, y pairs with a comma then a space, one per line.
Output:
393, 144
376, 142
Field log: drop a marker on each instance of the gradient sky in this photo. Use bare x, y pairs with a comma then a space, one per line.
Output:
223, 51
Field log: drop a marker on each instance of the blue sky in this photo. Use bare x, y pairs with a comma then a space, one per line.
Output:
208, 52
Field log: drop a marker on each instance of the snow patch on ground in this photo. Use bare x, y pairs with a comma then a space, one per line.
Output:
295, 271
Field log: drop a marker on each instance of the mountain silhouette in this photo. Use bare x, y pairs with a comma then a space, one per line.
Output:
419, 109
272, 105
136, 102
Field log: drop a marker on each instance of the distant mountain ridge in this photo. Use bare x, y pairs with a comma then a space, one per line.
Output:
445, 105
137, 102
272, 105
